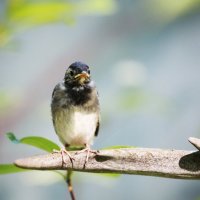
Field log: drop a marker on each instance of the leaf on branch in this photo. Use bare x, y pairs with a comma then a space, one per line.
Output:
118, 147
12, 138
109, 175
10, 168
39, 142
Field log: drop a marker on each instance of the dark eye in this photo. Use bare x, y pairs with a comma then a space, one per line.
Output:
88, 71
71, 73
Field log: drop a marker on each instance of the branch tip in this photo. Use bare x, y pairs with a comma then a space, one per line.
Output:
195, 142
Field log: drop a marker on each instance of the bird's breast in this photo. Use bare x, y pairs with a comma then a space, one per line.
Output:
84, 123
76, 128
83, 128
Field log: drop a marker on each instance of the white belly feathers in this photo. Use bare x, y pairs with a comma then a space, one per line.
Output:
78, 130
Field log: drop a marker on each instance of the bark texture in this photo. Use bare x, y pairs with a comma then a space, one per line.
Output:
139, 161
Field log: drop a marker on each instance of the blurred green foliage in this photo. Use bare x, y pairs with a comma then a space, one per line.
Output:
19, 15
22, 14
39, 142
10, 168
172, 9
6, 102
130, 99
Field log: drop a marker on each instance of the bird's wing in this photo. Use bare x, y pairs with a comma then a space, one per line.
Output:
97, 128
55, 89
99, 118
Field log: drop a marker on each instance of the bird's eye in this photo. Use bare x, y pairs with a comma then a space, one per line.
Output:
88, 71
71, 73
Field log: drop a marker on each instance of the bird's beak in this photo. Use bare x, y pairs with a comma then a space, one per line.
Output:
82, 77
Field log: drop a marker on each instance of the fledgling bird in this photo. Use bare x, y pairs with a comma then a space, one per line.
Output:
75, 109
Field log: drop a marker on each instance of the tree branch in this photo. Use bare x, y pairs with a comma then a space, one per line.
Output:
139, 161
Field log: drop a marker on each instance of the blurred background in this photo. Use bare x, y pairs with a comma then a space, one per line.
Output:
144, 58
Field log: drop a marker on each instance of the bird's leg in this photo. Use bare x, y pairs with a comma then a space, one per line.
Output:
64, 151
88, 150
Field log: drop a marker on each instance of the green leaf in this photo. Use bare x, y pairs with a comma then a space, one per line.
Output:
39, 142
12, 138
118, 147
10, 168
109, 175
41, 13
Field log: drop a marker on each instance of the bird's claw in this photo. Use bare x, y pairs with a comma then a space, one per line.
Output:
88, 150
62, 152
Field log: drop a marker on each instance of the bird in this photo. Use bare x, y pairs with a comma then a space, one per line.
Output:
75, 110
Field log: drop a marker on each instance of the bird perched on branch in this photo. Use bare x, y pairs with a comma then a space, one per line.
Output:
75, 109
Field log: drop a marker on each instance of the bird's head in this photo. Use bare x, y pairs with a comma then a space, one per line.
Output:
77, 73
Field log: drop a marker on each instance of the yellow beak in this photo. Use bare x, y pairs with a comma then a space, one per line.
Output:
82, 77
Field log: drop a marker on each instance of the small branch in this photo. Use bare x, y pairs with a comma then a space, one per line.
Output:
69, 184
139, 161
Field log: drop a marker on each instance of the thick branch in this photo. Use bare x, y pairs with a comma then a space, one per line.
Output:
139, 161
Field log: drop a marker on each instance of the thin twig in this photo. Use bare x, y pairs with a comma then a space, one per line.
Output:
69, 183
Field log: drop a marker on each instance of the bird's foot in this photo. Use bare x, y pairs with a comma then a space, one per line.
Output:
88, 150
62, 152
